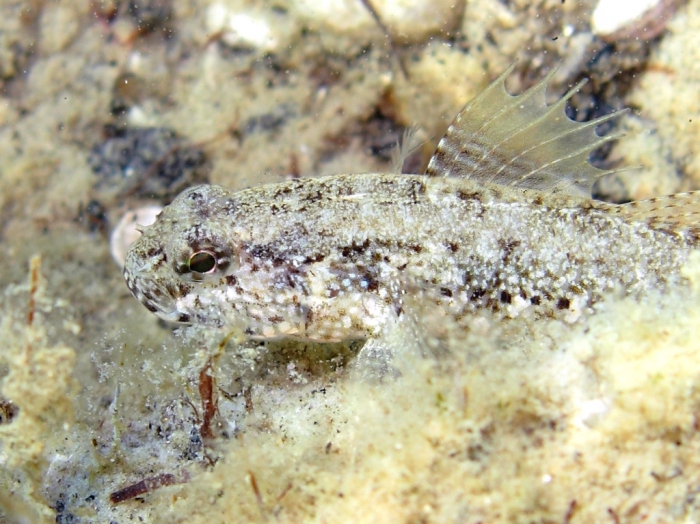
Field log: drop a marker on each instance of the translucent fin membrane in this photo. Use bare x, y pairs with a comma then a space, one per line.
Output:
407, 145
519, 141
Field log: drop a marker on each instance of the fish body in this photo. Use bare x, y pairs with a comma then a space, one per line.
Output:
502, 221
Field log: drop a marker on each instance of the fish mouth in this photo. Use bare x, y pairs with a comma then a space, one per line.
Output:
174, 316
163, 307
159, 300
155, 299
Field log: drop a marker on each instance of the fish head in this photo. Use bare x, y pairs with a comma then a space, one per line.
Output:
184, 258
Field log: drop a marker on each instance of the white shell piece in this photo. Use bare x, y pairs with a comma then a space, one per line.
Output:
125, 233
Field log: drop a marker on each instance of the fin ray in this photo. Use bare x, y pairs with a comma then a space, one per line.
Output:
406, 145
524, 143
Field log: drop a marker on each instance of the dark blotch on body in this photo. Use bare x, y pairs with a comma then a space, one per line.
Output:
468, 195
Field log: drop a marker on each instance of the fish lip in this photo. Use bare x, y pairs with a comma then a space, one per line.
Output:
164, 309
174, 316
153, 297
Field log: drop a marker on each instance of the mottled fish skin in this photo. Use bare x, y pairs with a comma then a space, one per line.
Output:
334, 258
331, 258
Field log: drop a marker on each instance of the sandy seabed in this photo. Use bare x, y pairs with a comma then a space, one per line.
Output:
525, 422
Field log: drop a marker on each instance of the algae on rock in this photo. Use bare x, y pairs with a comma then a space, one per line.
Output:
40, 384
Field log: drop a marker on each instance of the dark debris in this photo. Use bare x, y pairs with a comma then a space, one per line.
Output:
146, 16
268, 122
142, 487
147, 162
150, 15
8, 411
94, 216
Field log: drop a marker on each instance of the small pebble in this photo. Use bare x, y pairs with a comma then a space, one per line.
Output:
613, 17
254, 29
415, 21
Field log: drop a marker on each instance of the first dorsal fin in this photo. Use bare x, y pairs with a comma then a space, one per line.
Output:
520, 141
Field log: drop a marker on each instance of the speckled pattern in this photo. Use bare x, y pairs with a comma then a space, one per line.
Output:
332, 258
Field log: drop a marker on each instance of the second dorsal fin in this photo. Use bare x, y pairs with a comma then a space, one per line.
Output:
679, 213
520, 141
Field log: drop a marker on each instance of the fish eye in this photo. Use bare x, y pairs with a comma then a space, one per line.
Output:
202, 262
